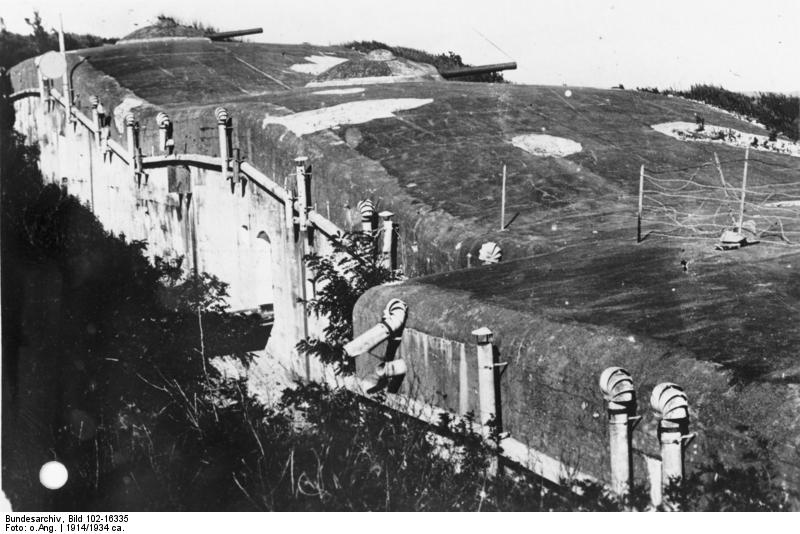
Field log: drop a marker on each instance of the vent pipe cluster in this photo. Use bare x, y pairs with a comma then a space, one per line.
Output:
671, 407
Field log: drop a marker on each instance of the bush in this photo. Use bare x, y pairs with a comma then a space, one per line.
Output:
341, 279
777, 112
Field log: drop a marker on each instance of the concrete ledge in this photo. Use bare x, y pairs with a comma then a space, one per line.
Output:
549, 394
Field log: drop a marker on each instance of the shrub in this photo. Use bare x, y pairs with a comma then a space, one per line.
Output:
341, 279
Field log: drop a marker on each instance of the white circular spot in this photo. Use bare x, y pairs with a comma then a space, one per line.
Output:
53, 475
554, 227
546, 145
568, 93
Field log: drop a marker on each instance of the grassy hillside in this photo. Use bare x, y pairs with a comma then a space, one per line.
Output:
778, 112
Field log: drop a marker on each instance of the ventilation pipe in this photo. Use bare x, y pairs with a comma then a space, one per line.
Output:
302, 181
165, 141
618, 391
367, 210
489, 253
392, 322
223, 126
391, 369
487, 390
671, 407
132, 135
486, 376
389, 249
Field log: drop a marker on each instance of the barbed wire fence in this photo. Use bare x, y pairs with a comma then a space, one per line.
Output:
680, 203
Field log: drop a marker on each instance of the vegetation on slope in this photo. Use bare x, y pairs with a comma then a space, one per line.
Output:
442, 62
167, 26
778, 112
342, 278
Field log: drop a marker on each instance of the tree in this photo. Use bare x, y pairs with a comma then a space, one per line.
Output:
342, 278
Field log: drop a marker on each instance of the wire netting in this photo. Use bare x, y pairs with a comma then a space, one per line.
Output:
686, 203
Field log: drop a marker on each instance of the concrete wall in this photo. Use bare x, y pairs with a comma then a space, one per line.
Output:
549, 394
189, 212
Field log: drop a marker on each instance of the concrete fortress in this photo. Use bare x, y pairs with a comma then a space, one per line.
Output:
243, 157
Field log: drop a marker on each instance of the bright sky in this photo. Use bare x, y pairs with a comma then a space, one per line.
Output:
745, 45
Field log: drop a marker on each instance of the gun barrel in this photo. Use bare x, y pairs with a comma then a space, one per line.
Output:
481, 69
235, 33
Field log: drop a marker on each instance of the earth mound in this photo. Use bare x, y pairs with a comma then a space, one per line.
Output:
379, 66
168, 27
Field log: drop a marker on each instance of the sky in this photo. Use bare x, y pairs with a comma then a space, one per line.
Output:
751, 45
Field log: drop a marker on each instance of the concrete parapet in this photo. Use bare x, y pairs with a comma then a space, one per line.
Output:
548, 394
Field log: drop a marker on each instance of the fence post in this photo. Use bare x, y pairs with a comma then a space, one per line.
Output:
503, 202
744, 191
671, 407
639, 212
618, 391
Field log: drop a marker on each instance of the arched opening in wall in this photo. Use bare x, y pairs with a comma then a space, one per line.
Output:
264, 270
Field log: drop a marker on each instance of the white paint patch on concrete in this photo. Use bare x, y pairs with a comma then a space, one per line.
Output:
687, 131
546, 145
317, 64
346, 91
316, 120
121, 110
